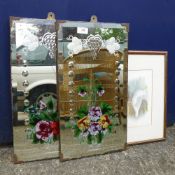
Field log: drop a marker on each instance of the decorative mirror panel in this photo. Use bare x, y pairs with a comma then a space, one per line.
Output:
92, 88
33, 73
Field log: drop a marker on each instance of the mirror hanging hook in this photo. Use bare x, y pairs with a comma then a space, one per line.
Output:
51, 16
94, 18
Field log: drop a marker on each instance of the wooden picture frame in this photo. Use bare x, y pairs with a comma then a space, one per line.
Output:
147, 69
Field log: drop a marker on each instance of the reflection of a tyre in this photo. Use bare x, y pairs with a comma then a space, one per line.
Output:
44, 93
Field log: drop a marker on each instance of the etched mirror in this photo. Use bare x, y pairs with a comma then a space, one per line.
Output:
92, 88
33, 72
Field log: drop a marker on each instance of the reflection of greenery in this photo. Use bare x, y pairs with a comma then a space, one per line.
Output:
107, 33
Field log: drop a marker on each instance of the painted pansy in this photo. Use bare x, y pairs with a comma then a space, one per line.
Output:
100, 90
82, 91
42, 105
94, 128
104, 121
95, 113
83, 123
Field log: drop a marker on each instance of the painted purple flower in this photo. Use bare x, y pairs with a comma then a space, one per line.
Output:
43, 130
100, 92
94, 128
42, 105
95, 113
82, 93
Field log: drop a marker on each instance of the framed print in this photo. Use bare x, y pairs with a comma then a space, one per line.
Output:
147, 79
33, 72
92, 79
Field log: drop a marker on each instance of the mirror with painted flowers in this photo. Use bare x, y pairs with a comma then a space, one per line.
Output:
92, 88
33, 73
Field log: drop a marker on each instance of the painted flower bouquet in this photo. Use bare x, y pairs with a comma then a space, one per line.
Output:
94, 123
43, 122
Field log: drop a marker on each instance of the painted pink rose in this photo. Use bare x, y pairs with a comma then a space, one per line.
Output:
43, 130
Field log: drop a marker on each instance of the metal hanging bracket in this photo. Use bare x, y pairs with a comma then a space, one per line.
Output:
51, 16
94, 18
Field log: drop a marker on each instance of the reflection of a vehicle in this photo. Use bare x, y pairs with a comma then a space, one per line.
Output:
43, 78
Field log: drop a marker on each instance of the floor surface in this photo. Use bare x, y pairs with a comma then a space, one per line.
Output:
147, 159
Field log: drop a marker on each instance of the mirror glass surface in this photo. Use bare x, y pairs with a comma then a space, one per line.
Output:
92, 88
33, 73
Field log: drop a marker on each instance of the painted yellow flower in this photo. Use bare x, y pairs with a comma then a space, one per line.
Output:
105, 125
83, 123
104, 121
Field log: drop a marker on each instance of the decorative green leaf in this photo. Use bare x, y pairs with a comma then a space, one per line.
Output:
35, 140
100, 137
99, 87
53, 116
106, 108
55, 138
77, 131
50, 104
110, 128
89, 139
82, 89
41, 141
33, 119
68, 125
82, 111
45, 116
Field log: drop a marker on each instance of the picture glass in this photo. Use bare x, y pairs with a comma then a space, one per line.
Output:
33, 72
92, 79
